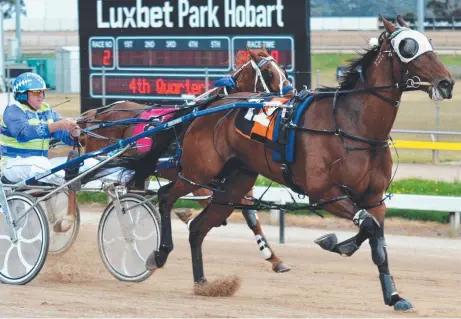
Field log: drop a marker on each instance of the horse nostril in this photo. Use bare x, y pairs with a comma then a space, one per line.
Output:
445, 84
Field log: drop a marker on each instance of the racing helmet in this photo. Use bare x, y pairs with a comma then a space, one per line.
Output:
27, 82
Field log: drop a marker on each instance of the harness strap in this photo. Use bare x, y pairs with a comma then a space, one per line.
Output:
374, 144
288, 178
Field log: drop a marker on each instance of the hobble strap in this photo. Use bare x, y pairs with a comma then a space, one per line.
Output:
361, 215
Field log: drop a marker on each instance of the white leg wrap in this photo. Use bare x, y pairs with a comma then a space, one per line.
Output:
188, 223
263, 247
361, 215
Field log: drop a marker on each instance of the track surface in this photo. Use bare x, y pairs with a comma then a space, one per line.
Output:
427, 271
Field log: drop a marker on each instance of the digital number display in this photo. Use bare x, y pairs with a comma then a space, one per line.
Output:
174, 53
101, 53
159, 86
281, 48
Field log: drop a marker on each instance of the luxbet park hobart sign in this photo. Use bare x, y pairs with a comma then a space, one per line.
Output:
185, 14
158, 51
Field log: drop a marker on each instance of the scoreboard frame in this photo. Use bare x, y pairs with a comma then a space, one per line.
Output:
98, 22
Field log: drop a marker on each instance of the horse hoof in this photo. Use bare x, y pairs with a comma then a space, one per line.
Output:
327, 241
63, 225
403, 305
160, 257
281, 267
151, 264
184, 214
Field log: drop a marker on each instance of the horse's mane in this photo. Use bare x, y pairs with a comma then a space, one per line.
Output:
351, 76
240, 59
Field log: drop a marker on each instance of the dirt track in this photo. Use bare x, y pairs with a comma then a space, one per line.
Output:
321, 284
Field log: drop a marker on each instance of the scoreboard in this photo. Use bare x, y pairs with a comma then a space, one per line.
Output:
167, 51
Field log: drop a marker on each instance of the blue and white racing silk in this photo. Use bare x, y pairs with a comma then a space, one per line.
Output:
24, 132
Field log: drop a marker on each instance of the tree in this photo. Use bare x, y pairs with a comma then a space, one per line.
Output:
444, 8
361, 8
9, 8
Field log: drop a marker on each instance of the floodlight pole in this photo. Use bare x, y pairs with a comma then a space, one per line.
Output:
18, 30
420, 13
2, 56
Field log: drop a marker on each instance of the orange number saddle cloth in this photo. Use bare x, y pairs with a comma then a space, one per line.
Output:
267, 126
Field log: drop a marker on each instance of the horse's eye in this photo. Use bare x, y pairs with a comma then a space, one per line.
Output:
408, 48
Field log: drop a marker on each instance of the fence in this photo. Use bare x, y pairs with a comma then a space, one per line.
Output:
279, 195
435, 145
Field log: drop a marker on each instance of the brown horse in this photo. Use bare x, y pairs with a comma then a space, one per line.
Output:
342, 159
256, 72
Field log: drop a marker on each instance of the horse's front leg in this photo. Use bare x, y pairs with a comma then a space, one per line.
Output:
347, 209
380, 258
371, 227
167, 195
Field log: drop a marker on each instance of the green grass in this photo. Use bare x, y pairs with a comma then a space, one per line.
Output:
450, 59
91, 197
421, 215
425, 187
327, 62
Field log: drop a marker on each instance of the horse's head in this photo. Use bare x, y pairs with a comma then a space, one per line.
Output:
258, 71
417, 65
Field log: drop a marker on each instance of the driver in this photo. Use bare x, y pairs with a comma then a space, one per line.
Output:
27, 127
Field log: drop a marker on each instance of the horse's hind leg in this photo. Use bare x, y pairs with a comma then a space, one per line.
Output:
237, 185
67, 222
266, 251
253, 223
186, 214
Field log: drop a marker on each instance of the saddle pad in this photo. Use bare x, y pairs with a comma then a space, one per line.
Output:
258, 124
158, 116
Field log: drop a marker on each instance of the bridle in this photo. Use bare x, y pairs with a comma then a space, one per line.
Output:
260, 76
405, 83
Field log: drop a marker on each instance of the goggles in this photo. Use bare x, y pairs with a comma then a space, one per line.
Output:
37, 93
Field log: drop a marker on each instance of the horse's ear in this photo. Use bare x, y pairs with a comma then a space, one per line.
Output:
390, 28
253, 55
264, 49
401, 22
